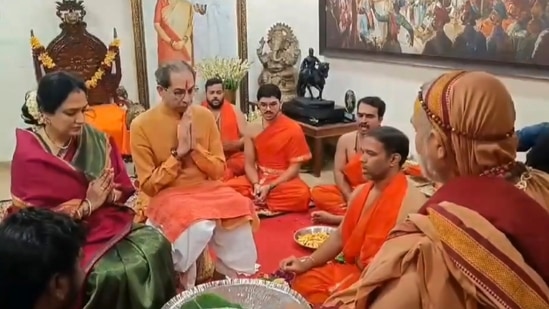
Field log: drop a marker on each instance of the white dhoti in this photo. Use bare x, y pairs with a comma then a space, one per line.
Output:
234, 249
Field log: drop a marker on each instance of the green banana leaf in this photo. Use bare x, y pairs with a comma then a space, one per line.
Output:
210, 301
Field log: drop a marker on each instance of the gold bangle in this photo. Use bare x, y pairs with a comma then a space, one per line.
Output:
89, 208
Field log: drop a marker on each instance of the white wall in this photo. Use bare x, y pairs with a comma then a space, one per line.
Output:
17, 18
397, 85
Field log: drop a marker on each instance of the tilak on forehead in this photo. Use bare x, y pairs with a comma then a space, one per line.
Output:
189, 86
435, 99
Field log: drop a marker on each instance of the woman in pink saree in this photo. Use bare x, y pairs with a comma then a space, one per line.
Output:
67, 166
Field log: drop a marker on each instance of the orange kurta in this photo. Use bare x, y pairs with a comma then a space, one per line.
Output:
329, 198
111, 119
364, 230
183, 193
276, 147
228, 127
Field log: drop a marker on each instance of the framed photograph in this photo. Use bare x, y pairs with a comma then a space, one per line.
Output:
188, 30
514, 33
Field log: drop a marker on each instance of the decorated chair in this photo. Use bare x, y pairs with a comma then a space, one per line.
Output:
78, 51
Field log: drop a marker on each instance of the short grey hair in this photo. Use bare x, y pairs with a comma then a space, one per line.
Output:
164, 71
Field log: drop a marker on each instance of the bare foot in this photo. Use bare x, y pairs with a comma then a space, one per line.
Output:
324, 217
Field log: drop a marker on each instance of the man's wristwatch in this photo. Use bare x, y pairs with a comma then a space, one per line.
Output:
178, 155
175, 154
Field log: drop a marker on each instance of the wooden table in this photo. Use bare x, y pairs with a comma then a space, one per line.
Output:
319, 135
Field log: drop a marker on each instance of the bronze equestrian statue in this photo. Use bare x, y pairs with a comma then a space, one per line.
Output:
312, 74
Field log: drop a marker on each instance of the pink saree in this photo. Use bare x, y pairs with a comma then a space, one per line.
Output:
41, 179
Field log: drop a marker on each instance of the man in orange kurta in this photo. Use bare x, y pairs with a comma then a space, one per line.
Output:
179, 160
231, 124
331, 200
274, 151
374, 209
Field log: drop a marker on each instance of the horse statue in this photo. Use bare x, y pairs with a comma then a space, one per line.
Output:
315, 79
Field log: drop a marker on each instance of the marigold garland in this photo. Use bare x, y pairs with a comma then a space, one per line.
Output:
48, 63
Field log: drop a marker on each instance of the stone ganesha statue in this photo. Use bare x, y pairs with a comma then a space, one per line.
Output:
280, 59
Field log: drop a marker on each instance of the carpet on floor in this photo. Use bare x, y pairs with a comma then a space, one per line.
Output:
274, 240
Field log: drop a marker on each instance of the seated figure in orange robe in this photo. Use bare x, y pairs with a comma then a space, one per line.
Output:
179, 160
231, 124
331, 200
111, 119
274, 150
374, 209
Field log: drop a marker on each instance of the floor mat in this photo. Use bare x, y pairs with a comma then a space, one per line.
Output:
274, 239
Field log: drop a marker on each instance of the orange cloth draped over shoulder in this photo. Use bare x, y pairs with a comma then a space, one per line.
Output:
364, 230
111, 119
276, 147
228, 127
329, 198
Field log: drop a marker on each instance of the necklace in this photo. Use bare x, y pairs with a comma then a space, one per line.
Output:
501, 170
523, 180
63, 147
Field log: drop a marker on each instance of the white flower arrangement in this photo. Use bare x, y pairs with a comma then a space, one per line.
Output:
230, 70
32, 105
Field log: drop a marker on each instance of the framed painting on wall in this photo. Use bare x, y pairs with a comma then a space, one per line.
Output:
510, 32
188, 30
